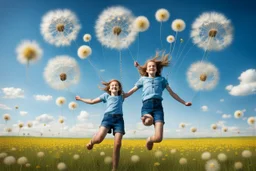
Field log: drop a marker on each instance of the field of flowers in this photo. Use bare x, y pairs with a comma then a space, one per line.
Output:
50, 154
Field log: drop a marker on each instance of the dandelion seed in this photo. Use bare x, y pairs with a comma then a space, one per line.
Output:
183, 161
178, 25
170, 39
212, 165
61, 120
72, 105
60, 27
246, 154
206, 156
141, 24
102, 153
214, 126
20, 125
108, 160
40, 154
162, 15
3, 155
193, 129
173, 151
76, 157
222, 157
28, 165
87, 37
135, 158
61, 166
6, 117
158, 154
238, 114
251, 120
22, 160
238, 165
29, 124
225, 129
9, 160
84, 51
182, 125
60, 101
8, 130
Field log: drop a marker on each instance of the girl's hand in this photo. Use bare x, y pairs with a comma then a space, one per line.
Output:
78, 98
188, 104
136, 64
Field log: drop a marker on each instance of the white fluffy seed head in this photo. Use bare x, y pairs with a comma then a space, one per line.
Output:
225, 129
178, 25
61, 166
135, 158
3, 155
238, 114
212, 165
102, 153
9, 160
20, 125
108, 160
76, 157
222, 157
206, 156
40, 154
193, 129
141, 24
162, 15
60, 101
238, 165
183, 161
84, 51
22, 160
28, 165
158, 154
72, 105
246, 154
87, 37
170, 39
173, 151
251, 120
29, 124
6, 117
61, 120
214, 126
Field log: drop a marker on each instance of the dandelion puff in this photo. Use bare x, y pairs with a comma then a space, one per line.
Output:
13, 149
9, 160
178, 25
238, 114
135, 158
61, 120
222, 157
238, 165
214, 126
102, 153
206, 156
60, 101
114, 28
6, 117
84, 51
76, 157
251, 120
193, 129
158, 154
182, 125
72, 105
170, 39
108, 160
20, 125
246, 154
87, 37
162, 15
40, 154
225, 129
61, 72
173, 151
3, 155
22, 160
141, 24
202, 76
60, 27
8, 130
183, 161
28, 165
61, 166
29, 124
212, 165
212, 31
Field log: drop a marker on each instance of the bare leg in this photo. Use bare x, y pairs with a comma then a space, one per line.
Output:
157, 137
98, 137
147, 120
116, 150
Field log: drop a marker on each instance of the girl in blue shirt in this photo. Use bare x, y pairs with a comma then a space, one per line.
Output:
153, 84
113, 117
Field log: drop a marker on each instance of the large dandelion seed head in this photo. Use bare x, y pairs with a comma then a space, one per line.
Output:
170, 39
40, 154
212, 31
141, 24
251, 120
206, 156
87, 37
238, 114
114, 28
202, 76
178, 25
28, 52
6, 117
61, 72
84, 51
22, 160
60, 101
222, 157
212, 165
193, 129
9, 160
61, 166
60, 27
29, 124
162, 15
20, 125
214, 126
238, 165
183, 161
72, 105
246, 154
182, 125
135, 158
225, 129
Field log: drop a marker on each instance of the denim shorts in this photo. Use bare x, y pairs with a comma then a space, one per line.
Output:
154, 108
113, 121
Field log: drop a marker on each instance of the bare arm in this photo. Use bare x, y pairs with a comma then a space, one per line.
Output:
134, 89
89, 101
176, 97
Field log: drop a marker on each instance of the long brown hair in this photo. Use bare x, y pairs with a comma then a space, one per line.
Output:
164, 62
107, 86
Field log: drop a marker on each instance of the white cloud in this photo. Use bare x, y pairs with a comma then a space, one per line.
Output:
221, 100
83, 116
5, 107
23, 113
219, 112
204, 108
43, 97
13, 93
221, 123
226, 116
45, 118
247, 85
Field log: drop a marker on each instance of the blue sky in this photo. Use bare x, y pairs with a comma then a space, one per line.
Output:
21, 21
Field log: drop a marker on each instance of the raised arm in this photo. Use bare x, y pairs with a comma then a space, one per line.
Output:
176, 97
89, 101
134, 89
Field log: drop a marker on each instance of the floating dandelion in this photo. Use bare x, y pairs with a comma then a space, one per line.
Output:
60, 101
193, 129
182, 125
214, 126
61, 166
246, 154
222, 157
62, 72
28, 165
170, 39
202, 76
72, 105
87, 37
212, 165
108, 160
206, 156
76, 157
61, 120
141, 24
135, 158
29, 124
212, 31
6, 117
60, 27
251, 120
238, 165
162, 15
28, 52
225, 129
158, 154
178, 25
114, 28
8, 130
238, 114
22, 160
9, 160
102, 153
20, 125
183, 161
40, 154
84, 51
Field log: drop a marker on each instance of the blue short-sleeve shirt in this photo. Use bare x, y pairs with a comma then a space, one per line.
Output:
152, 87
114, 103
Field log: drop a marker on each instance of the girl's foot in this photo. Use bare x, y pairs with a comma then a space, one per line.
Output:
149, 144
89, 146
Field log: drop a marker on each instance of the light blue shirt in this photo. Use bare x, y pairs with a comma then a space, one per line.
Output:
152, 87
114, 103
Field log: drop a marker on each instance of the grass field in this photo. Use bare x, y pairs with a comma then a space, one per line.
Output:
164, 156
